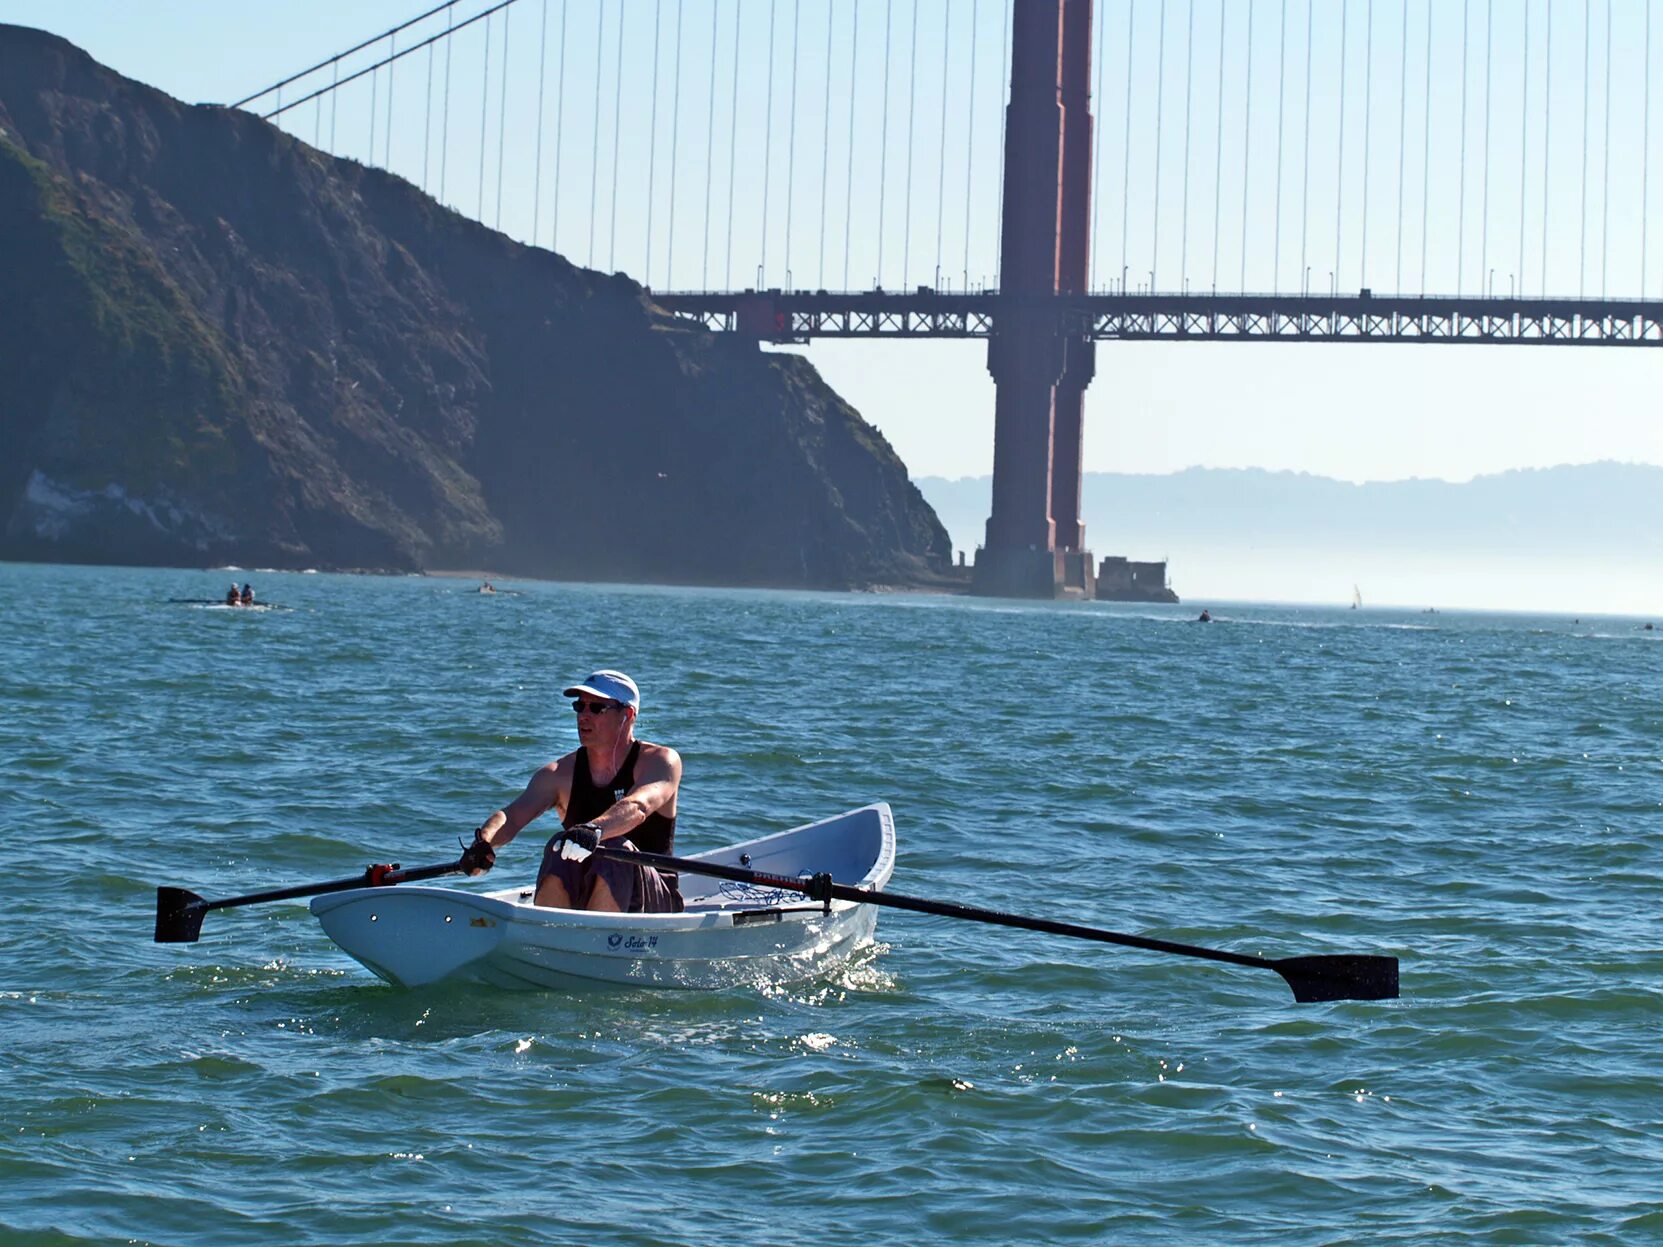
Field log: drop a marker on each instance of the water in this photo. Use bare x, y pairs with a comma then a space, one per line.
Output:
1481, 796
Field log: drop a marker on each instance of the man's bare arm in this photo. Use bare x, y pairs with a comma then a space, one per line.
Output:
546, 791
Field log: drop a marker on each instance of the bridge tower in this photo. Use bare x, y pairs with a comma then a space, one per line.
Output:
1035, 539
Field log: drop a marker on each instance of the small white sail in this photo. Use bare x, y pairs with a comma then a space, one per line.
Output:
1356, 597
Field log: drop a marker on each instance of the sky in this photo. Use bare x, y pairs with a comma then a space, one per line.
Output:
851, 178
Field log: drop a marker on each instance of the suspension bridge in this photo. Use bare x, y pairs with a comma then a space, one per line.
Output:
1045, 174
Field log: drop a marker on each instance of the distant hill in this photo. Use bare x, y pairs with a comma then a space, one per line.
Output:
1253, 533
218, 344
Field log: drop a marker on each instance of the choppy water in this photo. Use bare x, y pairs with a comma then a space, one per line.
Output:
1481, 796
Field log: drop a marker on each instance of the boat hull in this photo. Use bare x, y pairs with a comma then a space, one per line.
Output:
729, 935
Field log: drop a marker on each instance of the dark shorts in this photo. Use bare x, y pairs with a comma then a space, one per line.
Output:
637, 889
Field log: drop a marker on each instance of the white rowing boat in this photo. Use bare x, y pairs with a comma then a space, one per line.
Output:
729, 932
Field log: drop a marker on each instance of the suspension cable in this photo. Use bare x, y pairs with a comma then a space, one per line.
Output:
1281, 130
1218, 148
733, 140
1305, 162
340, 56
970, 142
1461, 214
1189, 104
849, 177
1004, 118
392, 47
617, 129
825, 146
1486, 284
427, 123
1524, 143
912, 100
675, 137
444, 133
1605, 192
1645, 155
484, 113
1339, 176
709, 144
767, 149
1246, 149
941, 141
502, 116
1547, 139
1099, 32
1587, 80
1402, 136
537, 176
883, 143
652, 139
1126, 155
1426, 153
791, 140
1368, 124
1160, 107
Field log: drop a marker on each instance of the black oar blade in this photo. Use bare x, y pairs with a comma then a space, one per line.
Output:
178, 916
1347, 977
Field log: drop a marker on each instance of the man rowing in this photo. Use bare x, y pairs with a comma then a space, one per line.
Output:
613, 790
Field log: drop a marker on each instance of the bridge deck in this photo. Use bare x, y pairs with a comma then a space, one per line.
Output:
799, 316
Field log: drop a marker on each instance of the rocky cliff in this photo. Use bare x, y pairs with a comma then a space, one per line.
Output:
218, 344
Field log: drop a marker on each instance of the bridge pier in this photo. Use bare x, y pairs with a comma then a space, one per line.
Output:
1035, 544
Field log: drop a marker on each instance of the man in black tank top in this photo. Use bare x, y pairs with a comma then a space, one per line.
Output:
621, 788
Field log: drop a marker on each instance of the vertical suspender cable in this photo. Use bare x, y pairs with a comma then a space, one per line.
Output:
537, 175
617, 119
912, 100
1305, 163
941, 141
675, 137
444, 132
825, 146
1402, 135
427, 122
733, 141
1368, 130
883, 142
1189, 99
1098, 30
652, 140
502, 115
1281, 102
484, 112
1485, 284
392, 66
970, 142
1605, 192
767, 148
1004, 72
1461, 213
317, 116
791, 141
1645, 154
1426, 153
560, 130
594, 135
1524, 144
1587, 81
1126, 155
1339, 173
335, 96
1218, 147
1160, 108
1547, 137
1246, 149
849, 176
709, 145
375, 75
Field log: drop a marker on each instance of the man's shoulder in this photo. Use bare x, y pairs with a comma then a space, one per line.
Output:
650, 749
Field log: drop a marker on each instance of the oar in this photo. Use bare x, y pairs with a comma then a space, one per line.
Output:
179, 912
1348, 976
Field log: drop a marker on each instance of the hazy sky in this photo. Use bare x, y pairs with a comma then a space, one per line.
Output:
1513, 197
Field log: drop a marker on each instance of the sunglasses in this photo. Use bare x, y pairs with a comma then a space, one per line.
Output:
594, 707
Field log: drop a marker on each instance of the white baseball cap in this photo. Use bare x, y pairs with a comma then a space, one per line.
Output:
612, 685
